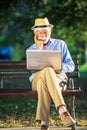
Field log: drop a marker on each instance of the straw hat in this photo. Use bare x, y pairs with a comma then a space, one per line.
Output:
41, 23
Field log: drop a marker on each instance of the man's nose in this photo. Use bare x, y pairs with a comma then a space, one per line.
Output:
41, 32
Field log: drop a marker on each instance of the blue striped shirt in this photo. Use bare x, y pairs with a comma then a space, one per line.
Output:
59, 45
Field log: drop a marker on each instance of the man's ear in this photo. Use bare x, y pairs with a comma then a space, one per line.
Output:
51, 30
34, 31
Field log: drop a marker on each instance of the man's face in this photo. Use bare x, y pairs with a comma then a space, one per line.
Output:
43, 34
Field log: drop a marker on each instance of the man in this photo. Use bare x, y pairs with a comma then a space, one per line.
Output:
46, 82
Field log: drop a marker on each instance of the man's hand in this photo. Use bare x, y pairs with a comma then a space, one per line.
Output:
39, 43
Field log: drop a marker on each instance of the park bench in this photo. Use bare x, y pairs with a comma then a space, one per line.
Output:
17, 70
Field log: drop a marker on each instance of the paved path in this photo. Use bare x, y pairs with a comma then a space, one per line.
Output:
37, 128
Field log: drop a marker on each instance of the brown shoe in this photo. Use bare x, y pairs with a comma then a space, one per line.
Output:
44, 127
67, 120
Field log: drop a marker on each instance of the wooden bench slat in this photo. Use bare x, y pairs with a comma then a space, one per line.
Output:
13, 70
4, 93
14, 76
13, 66
11, 63
14, 90
26, 75
19, 95
73, 75
69, 93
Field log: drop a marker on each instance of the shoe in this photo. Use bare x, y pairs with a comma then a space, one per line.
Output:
66, 119
44, 127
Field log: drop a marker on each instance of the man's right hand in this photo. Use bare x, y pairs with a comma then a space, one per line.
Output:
39, 43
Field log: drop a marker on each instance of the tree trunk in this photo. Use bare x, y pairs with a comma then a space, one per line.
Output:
86, 53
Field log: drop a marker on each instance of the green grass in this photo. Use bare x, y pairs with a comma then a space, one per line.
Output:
21, 112
17, 112
83, 67
83, 70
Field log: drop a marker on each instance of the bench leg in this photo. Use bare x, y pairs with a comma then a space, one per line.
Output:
72, 110
72, 100
73, 127
1, 83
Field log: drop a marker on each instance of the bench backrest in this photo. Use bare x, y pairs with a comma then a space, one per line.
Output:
17, 69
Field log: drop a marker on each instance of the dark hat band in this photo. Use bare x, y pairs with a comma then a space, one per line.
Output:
42, 26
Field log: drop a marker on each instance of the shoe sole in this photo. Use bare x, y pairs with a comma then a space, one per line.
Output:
69, 125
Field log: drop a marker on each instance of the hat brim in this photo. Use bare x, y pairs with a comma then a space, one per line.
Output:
42, 27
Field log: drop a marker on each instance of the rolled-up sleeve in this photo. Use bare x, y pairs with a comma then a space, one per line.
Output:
67, 62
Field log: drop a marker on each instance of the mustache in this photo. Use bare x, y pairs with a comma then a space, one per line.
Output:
41, 39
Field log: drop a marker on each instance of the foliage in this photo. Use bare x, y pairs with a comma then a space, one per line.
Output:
18, 52
68, 17
83, 67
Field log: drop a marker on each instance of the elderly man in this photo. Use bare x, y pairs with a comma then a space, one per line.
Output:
46, 82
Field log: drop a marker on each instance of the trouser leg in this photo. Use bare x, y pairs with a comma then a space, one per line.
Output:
44, 99
45, 83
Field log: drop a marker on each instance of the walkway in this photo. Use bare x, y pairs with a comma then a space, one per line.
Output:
37, 128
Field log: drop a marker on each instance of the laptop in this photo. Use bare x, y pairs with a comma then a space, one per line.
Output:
39, 59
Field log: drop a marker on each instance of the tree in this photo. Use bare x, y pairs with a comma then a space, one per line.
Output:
68, 17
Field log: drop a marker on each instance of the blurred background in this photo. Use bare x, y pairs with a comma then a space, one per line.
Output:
69, 18
17, 17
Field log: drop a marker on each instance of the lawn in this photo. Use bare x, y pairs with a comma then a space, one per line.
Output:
21, 112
